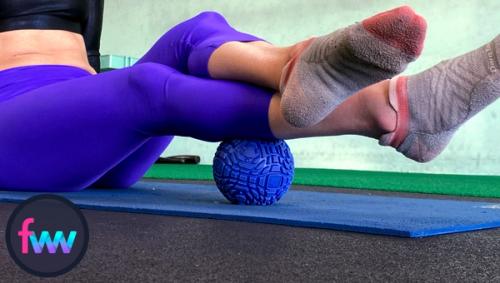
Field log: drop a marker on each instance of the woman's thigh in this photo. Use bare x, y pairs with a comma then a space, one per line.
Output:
64, 136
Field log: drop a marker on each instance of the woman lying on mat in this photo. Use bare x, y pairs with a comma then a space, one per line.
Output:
206, 80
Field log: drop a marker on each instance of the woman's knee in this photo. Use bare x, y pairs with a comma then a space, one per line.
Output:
204, 21
209, 17
199, 28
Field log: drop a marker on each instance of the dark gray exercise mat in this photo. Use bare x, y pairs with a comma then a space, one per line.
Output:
395, 216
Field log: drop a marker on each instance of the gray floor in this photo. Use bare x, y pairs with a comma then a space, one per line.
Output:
137, 247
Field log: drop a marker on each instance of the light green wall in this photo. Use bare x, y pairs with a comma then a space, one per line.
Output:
131, 26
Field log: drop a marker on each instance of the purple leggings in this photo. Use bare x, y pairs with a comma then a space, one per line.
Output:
63, 129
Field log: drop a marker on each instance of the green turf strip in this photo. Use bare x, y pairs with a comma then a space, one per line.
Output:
458, 185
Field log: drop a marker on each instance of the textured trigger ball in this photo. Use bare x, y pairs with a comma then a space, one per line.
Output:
253, 172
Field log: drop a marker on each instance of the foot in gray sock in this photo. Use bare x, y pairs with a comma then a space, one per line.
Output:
432, 105
330, 68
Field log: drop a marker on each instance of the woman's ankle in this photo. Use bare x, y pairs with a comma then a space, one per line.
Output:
376, 100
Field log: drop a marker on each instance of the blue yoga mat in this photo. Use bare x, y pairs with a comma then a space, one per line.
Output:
395, 216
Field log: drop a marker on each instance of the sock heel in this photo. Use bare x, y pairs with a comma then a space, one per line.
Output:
398, 99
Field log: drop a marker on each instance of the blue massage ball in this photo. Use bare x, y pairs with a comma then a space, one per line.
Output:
253, 172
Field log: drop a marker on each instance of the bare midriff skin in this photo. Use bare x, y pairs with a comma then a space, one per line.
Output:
42, 47
365, 113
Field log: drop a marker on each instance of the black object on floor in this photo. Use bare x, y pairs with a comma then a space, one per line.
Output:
179, 159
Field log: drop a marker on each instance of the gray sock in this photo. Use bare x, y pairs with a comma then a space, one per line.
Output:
335, 66
432, 105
